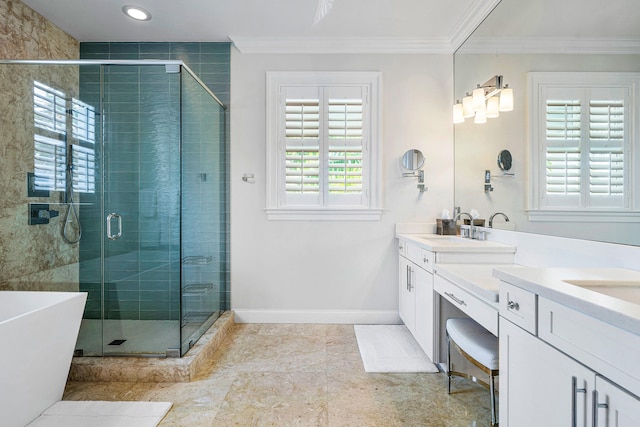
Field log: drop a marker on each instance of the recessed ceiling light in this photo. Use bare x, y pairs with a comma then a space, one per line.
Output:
136, 12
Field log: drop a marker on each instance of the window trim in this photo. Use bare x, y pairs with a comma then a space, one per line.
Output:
537, 212
275, 208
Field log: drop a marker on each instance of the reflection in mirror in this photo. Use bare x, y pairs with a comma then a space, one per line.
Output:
520, 37
413, 160
504, 160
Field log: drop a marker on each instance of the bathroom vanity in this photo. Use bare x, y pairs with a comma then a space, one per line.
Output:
420, 255
569, 346
569, 337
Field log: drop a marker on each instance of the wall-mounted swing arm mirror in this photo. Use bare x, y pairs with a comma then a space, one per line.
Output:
413, 160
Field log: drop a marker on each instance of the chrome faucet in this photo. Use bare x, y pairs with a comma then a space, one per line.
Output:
506, 218
471, 231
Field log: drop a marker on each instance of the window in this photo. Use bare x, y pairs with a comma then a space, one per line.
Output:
583, 160
322, 146
50, 141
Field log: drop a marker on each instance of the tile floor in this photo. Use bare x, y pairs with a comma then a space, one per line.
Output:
300, 375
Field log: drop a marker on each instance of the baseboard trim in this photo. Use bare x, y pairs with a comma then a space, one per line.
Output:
362, 317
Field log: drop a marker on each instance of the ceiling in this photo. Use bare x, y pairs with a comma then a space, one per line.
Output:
358, 26
220, 20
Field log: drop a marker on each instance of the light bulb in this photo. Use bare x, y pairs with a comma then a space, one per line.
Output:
458, 116
481, 117
136, 12
506, 99
493, 105
467, 106
478, 98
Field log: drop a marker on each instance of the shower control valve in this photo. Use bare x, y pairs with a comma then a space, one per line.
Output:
39, 213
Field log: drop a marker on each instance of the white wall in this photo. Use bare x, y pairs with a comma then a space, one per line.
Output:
335, 271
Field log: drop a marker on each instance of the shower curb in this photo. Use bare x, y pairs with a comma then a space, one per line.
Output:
144, 369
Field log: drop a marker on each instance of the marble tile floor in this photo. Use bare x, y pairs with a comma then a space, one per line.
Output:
300, 375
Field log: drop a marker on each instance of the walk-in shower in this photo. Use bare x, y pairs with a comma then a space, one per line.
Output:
112, 175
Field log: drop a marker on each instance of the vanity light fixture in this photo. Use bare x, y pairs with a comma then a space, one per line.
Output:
136, 12
485, 102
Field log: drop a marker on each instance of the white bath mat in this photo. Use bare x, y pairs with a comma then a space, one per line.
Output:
68, 413
391, 348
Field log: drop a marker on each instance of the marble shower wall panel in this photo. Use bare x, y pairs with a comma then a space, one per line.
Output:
25, 34
31, 257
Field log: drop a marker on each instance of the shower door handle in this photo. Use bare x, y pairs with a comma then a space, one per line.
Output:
109, 218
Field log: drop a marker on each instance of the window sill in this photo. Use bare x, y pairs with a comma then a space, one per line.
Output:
583, 216
288, 214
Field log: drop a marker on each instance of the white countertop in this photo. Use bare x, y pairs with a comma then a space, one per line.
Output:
552, 283
449, 243
476, 278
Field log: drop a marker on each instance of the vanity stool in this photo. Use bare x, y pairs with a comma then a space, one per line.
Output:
480, 347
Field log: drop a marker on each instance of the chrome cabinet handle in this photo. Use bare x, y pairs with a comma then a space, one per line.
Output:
111, 236
574, 400
597, 406
456, 299
408, 279
410, 275
512, 305
425, 260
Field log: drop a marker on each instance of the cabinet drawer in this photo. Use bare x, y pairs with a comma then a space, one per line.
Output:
480, 311
606, 349
420, 256
426, 260
518, 306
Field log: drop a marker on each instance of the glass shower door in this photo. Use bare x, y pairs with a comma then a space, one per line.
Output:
141, 215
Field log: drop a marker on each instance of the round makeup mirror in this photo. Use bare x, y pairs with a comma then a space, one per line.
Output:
504, 160
413, 160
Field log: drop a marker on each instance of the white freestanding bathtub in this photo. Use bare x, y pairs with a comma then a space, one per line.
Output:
38, 332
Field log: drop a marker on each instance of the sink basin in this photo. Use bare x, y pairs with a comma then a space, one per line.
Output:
626, 290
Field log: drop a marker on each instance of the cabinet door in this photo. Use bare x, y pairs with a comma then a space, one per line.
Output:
407, 301
622, 409
424, 311
540, 386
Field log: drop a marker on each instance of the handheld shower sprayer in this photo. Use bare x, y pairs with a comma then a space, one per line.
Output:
71, 216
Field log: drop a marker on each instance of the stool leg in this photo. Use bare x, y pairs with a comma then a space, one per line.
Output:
494, 421
448, 364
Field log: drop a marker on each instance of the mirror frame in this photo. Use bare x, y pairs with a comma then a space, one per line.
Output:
413, 156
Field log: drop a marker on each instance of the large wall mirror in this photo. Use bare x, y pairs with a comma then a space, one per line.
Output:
517, 38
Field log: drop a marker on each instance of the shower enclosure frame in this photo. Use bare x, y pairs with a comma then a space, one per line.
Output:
171, 66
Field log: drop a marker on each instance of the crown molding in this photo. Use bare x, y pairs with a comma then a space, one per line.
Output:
477, 12
342, 45
551, 45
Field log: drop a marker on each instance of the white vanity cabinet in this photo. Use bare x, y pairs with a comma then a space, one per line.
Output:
540, 386
416, 294
419, 304
558, 365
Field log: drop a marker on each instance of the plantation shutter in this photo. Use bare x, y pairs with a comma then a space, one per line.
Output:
83, 122
323, 145
584, 147
49, 119
345, 148
562, 130
49, 109
49, 163
301, 140
606, 153
83, 173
